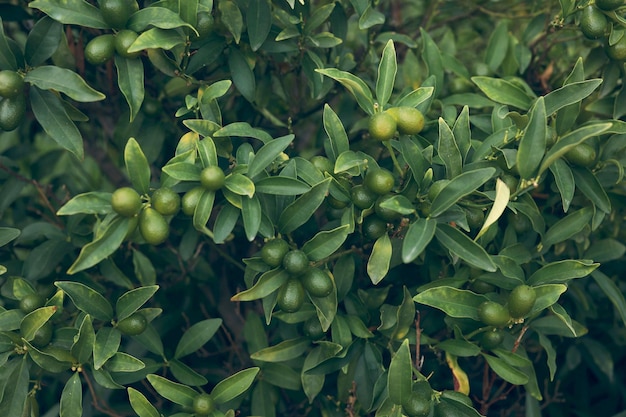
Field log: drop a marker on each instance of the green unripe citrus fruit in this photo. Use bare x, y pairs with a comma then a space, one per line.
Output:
374, 227
274, 251
290, 296
379, 180
362, 197
322, 163
205, 24
493, 314
31, 302
11, 84
317, 282
153, 227
212, 178
312, 328
126, 201
336, 203
123, 40
491, 339
520, 223
190, 200
583, 155
166, 201
418, 404
203, 404
295, 262
409, 120
609, 4
436, 187
475, 217
100, 49
382, 126
521, 300
12, 112
133, 325
593, 22
481, 287
617, 51
385, 213
116, 12
43, 335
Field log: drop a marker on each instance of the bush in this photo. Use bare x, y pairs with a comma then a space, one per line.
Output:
478, 270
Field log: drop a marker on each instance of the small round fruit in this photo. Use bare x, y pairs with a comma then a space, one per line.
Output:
274, 251
43, 335
12, 112
190, 200
379, 180
409, 120
295, 262
385, 213
583, 155
203, 404
362, 197
166, 201
322, 163
116, 12
482, 287
100, 49
593, 22
374, 227
520, 223
491, 339
126, 202
336, 203
317, 282
205, 24
382, 126
617, 51
133, 325
493, 314
11, 84
436, 187
609, 4
312, 328
31, 302
418, 404
521, 300
123, 40
212, 178
153, 227
475, 217
290, 296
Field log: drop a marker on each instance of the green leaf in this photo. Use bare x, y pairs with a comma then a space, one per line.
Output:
241, 129
7, 234
234, 385
301, 210
532, 145
173, 391
459, 187
84, 342
159, 17
123, 362
400, 376
183, 171
207, 152
232, 18
43, 40
130, 79
87, 299
550, 353
252, 216
354, 85
418, 236
506, 371
281, 186
157, 38
325, 243
47, 77
387, 69
587, 182
107, 343
185, 374
10, 320
448, 150
259, 22
569, 94
562, 271
225, 223
267, 154
144, 271
132, 300
459, 244
241, 73
196, 336
503, 91
379, 260
547, 295
34, 320
203, 210
432, 57
240, 185
462, 132
459, 347
102, 246
267, 283
497, 46
137, 166
92, 202
452, 301
564, 180
336, 132
284, 351
47, 361
7, 59
72, 397
611, 290
326, 308
413, 157
71, 12
140, 404
50, 113
567, 226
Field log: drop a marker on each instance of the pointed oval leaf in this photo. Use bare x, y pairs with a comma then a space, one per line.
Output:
130, 79
387, 69
562, 271
34, 320
336, 132
325, 243
267, 154
506, 371
356, 86
72, 397
137, 166
499, 205
379, 260
459, 187
84, 342
92, 202
400, 376
48, 77
71, 12
465, 248
301, 210
448, 150
452, 301
132, 300
281, 186
173, 391
43, 40
196, 336
183, 171
234, 385
240, 184
160, 17
532, 145
107, 343
568, 226
123, 362
140, 404
418, 236
87, 299
269, 282
284, 351
259, 22
503, 91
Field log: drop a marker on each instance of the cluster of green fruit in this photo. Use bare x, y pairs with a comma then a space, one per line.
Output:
405, 120
302, 276
13, 100
595, 21
376, 188
211, 179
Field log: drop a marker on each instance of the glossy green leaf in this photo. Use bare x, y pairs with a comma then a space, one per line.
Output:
281, 186
132, 300
503, 91
283, 351
48, 77
10, 320
354, 85
34, 320
43, 40
225, 223
251, 213
564, 180
433, 59
267, 154
506, 371
267, 283
203, 210
418, 236
173, 391
299, 212
137, 166
562, 271
93, 202
553, 325
459, 187
459, 244
50, 113
156, 16
186, 374
497, 46
416, 97
387, 69
7, 234
7, 58
336, 132
567, 226
71, 12
72, 397
611, 290
240, 129
400, 376
547, 295
259, 22
546, 344
196, 336
459, 347
157, 38
183, 171
448, 150
145, 273
140, 404
47, 361
379, 260
107, 343
241, 73
413, 157
234, 385
84, 342
232, 18
130, 78
123, 362
207, 152
325, 243
588, 183
532, 145
87, 299
240, 185
452, 301
569, 94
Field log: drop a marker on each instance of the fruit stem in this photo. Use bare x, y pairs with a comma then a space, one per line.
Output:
392, 153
